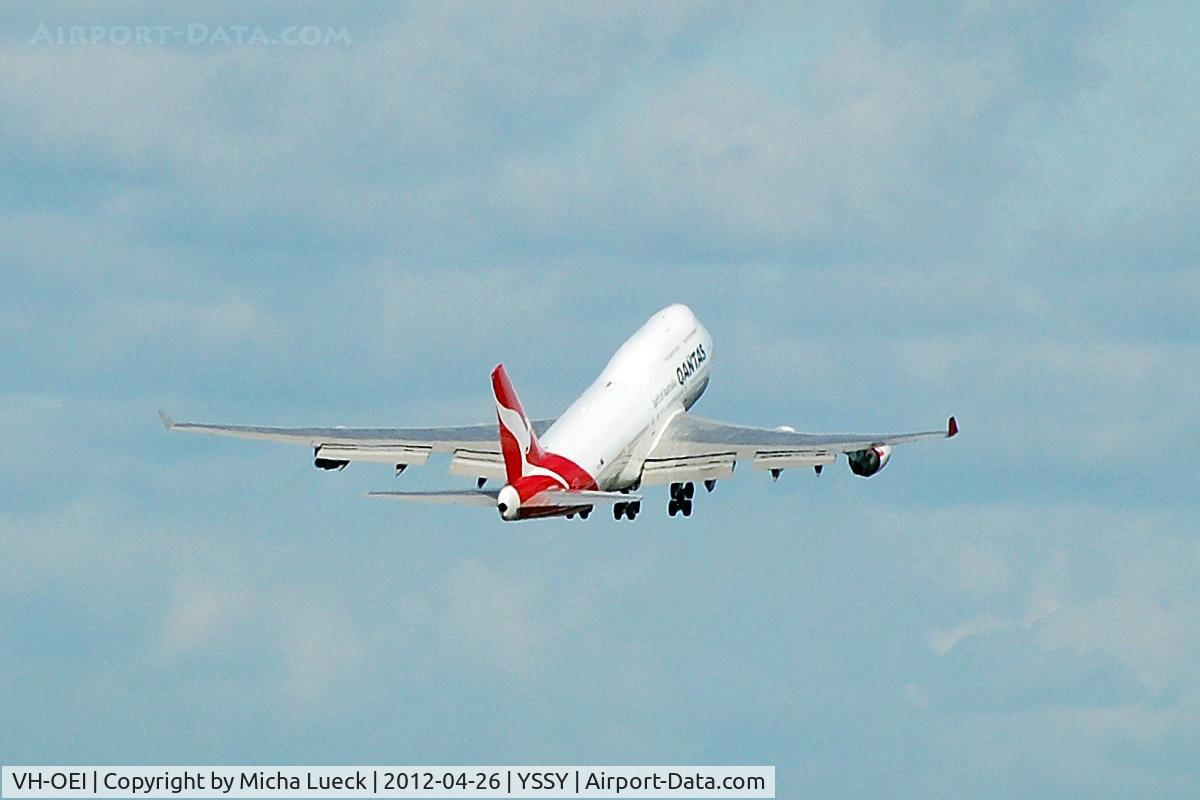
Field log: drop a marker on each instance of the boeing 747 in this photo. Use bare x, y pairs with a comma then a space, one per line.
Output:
630, 429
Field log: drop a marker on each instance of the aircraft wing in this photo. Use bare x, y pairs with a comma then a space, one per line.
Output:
693, 448
474, 449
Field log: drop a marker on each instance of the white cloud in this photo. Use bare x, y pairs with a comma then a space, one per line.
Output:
715, 157
916, 695
201, 616
1110, 589
1151, 639
206, 139
76, 543
943, 641
204, 328
320, 650
982, 569
490, 618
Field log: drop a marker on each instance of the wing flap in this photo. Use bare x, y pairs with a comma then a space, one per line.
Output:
378, 453
478, 464
786, 460
680, 469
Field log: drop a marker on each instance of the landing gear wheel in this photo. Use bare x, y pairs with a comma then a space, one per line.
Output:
632, 509
689, 490
673, 507
619, 510
686, 507
585, 513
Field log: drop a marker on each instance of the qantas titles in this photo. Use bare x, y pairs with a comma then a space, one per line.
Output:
691, 364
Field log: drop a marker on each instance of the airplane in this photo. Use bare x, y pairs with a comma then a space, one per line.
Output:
630, 429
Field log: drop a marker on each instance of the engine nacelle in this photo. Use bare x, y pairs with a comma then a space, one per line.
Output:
329, 463
866, 463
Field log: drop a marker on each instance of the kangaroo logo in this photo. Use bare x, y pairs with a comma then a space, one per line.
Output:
518, 442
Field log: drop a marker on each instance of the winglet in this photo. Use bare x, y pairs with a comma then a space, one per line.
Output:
951, 428
167, 422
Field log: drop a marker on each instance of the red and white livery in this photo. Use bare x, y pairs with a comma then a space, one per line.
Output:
630, 429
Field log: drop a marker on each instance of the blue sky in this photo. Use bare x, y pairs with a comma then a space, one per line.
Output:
883, 213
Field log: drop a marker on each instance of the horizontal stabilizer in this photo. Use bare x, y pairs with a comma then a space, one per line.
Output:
565, 498
481, 497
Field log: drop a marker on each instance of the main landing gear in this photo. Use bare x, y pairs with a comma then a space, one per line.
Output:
627, 510
681, 499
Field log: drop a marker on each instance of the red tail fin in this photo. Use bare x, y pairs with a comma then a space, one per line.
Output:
518, 441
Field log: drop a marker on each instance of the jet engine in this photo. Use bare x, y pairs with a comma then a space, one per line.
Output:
866, 463
329, 463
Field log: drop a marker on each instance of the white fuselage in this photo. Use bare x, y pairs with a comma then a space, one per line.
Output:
657, 373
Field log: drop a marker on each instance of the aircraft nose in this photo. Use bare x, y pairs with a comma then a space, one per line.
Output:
508, 503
